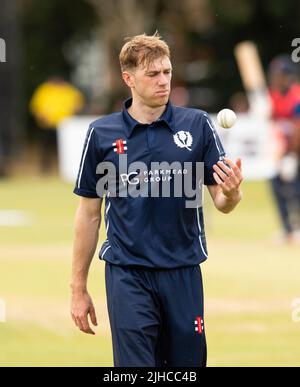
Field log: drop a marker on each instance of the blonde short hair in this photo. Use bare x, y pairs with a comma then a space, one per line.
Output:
142, 50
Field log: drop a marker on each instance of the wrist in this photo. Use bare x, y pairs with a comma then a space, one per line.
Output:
78, 288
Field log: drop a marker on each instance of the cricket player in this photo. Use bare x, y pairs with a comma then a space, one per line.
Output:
285, 98
154, 243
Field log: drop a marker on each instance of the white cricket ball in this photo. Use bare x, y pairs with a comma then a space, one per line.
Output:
226, 118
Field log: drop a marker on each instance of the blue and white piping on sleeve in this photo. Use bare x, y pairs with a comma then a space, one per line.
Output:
84, 156
219, 145
106, 212
200, 234
106, 244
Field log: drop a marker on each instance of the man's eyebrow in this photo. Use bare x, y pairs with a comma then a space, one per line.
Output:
158, 71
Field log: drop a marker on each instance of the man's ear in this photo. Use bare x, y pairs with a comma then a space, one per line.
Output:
128, 79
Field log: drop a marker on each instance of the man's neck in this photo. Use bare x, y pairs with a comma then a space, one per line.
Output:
145, 114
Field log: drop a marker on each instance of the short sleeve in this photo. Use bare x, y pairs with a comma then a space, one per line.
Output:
213, 150
87, 177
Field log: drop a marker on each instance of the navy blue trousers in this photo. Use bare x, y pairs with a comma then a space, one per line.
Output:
156, 316
287, 197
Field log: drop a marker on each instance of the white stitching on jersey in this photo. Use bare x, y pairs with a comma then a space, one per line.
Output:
84, 155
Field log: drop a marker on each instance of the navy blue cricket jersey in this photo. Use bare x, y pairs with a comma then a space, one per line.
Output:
153, 232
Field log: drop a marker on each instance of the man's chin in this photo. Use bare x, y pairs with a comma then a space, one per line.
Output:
160, 100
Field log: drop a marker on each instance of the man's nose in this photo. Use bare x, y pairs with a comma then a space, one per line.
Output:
163, 79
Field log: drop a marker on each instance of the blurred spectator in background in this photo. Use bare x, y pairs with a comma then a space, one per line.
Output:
53, 101
285, 98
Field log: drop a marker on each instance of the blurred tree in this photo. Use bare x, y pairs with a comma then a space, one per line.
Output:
189, 27
120, 19
11, 127
48, 27
174, 20
201, 33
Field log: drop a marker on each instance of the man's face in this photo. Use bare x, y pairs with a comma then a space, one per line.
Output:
152, 84
280, 81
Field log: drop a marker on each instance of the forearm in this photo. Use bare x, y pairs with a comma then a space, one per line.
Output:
226, 204
85, 243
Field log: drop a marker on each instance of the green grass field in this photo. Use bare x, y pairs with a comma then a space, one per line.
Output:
250, 284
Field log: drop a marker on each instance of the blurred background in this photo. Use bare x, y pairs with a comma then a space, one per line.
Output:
64, 55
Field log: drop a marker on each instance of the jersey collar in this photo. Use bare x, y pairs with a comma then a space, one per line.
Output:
130, 123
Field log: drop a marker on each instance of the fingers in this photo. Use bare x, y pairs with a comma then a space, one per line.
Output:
83, 325
237, 167
229, 171
86, 325
228, 176
81, 307
78, 323
93, 315
221, 172
81, 321
217, 179
227, 185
